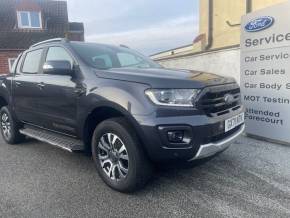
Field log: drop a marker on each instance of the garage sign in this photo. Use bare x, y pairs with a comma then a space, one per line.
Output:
265, 72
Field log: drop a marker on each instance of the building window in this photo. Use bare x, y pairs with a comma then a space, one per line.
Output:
29, 19
10, 63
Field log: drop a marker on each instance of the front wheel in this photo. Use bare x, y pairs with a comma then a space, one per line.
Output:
9, 128
118, 156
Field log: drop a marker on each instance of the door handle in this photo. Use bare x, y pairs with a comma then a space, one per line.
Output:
17, 84
40, 85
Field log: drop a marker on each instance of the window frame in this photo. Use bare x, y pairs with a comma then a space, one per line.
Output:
10, 65
19, 20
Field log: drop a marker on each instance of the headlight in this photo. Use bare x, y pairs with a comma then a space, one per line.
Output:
172, 97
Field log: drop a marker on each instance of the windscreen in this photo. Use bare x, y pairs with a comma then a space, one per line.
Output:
107, 57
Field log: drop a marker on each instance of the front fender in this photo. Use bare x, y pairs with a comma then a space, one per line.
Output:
125, 97
129, 96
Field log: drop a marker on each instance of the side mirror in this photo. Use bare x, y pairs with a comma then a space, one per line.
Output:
58, 68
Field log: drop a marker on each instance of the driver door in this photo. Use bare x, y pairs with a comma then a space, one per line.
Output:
58, 104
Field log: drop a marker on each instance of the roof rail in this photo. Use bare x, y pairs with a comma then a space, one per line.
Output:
49, 40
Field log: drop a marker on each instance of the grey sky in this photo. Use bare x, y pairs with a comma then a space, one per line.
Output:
149, 26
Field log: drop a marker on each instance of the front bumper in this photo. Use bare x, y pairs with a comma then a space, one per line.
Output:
211, 149
207, 133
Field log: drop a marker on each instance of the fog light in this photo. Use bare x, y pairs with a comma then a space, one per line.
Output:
175, 136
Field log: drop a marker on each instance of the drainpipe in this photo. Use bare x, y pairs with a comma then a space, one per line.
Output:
249, 6
249, 9
210, 25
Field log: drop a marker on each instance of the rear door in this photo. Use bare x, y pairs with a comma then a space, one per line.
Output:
58, 103
26, 92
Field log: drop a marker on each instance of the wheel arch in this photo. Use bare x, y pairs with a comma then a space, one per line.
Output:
3, 101
103, 112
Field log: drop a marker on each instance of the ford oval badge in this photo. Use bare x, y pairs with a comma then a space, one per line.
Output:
259, 24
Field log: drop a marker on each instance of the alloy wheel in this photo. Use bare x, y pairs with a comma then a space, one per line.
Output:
113, 156
5, 125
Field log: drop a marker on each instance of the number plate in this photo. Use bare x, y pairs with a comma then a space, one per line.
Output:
234, 122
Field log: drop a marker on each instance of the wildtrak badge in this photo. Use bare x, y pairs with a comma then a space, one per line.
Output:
259, 24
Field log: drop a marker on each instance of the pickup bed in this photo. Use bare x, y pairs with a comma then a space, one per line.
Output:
123, 108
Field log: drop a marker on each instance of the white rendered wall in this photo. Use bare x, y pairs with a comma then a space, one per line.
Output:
222, 62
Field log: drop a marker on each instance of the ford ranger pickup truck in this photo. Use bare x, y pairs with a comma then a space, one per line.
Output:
118, 105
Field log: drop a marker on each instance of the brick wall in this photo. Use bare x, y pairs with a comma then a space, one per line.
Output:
4, 56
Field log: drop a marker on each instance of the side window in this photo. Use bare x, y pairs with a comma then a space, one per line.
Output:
32, 61
58, 54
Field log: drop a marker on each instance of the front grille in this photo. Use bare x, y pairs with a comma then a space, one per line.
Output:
212, 100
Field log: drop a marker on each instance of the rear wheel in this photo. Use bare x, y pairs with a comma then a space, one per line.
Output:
9, 128
119, 159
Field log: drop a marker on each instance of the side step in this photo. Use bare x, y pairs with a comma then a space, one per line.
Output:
65, 142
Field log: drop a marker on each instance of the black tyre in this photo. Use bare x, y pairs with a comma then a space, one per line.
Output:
9, 128
118, 156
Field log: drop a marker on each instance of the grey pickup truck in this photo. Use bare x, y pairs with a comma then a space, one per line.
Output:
123, 108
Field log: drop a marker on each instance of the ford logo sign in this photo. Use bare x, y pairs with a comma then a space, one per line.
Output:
259, 24
229, 98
